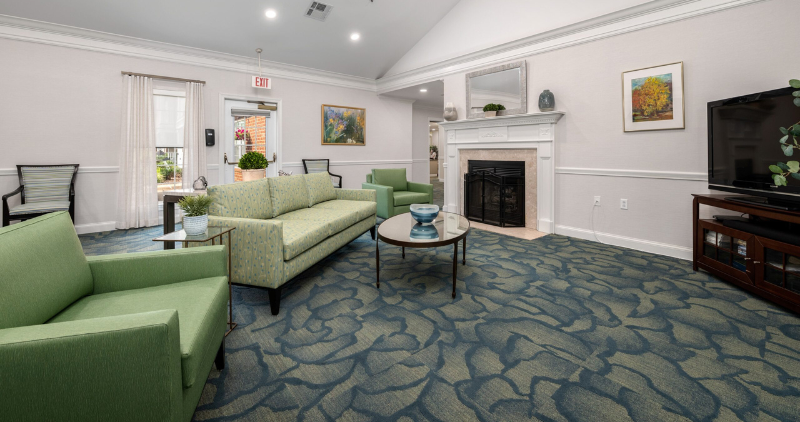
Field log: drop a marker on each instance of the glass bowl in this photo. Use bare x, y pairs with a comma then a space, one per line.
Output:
424, 213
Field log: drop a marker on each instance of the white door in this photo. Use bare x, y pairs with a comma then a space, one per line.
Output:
245, 132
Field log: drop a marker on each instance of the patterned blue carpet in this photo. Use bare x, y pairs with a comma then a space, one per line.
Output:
554, 329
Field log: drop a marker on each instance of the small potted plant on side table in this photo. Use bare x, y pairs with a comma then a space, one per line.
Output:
195, 217
253, 165
491, 109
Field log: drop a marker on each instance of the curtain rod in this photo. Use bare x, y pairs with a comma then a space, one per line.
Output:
166, 78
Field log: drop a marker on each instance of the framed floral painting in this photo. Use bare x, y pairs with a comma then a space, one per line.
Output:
344, 125
652, 98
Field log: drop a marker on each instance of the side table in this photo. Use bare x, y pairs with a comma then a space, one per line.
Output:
212, 234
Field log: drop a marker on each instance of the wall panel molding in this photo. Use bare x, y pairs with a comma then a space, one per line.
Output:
642, 174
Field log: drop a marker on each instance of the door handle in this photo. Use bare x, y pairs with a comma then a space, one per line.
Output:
228, 162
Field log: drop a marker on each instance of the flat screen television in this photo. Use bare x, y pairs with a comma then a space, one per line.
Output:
744, 141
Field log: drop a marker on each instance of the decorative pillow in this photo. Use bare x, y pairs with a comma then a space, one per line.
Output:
395, 178
241, 200
320, 188
288, 194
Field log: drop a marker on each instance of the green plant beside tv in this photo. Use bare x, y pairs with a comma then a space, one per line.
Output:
195, 213
491, 109
781, 171
253, 165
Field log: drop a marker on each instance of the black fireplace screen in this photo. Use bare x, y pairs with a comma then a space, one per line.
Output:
494, 192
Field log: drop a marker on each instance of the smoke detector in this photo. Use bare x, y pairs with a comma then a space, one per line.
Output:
318, 11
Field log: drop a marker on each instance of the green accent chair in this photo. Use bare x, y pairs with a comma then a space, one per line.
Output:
395, 194
128, 337
286, 224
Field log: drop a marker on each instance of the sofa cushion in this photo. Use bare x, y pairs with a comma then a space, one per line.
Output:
337, 220
288, 193
202, 313
320, 187
363, 209
241, 200
408, 198
42, 270
396, 178
301, 235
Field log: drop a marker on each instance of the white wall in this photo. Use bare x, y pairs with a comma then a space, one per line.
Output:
64, 105
421, 141
733, 52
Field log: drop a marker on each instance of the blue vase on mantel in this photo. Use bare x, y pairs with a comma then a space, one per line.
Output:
547, 102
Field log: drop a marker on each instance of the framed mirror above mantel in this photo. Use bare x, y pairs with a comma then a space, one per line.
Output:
505, 84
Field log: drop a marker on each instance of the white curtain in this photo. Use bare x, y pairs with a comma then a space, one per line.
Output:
137, 196
194, 145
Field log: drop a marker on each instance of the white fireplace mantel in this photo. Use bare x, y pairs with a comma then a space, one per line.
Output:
522, 131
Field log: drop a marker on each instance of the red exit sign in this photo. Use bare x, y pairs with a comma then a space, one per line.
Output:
262, 82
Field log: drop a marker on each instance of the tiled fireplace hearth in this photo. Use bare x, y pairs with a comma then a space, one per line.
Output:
526, 137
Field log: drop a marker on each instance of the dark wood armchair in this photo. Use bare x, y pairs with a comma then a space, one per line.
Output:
43, 189
320, 165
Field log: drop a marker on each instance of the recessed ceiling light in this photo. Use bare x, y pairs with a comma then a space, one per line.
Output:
355, 36
423, 90
271, 13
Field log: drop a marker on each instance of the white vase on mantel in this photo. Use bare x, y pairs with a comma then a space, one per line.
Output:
450, 113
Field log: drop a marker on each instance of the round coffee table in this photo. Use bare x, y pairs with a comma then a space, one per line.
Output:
402, 230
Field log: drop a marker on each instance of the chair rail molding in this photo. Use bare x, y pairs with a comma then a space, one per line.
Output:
521, 131
636, 18
29, 30
641, 174
81, 169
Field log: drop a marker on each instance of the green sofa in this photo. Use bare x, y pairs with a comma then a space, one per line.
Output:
128, 337
394, 193
286, 224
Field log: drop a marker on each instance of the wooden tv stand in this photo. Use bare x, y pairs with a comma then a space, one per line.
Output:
766, 267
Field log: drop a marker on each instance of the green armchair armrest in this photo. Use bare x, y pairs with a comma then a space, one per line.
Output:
422, 188
356, 194
385, 198
256, 250
113, 273
121, 368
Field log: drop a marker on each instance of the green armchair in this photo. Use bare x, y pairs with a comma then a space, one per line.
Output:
129, 337
395, 192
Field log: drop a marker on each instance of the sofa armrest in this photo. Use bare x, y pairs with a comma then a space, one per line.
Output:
384, 198
113, 273
421, 188
116, 368
256, 251
356, 194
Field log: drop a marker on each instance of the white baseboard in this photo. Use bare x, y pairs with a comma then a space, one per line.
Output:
674, 251
95, 227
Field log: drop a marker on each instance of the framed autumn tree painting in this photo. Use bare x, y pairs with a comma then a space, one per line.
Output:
343, 125
652, 98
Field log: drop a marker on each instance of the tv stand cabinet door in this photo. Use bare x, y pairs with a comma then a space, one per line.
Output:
778, 268
721, 250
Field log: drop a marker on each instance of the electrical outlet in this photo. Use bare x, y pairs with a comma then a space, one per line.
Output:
623, 204
597, 200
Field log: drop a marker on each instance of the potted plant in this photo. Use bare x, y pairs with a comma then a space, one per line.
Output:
253, 166
195, 217
491, 109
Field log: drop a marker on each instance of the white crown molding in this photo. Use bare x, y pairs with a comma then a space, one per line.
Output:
550, 117
674, 251
82, 169
641, 174
648, 15
66, 36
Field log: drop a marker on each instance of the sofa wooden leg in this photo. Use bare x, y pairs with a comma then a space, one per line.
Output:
372, 232
219, 361
274, 300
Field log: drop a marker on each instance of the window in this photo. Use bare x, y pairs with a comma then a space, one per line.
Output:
250, 135
169, 114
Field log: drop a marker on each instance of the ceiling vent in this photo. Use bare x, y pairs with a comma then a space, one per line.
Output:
318, 11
